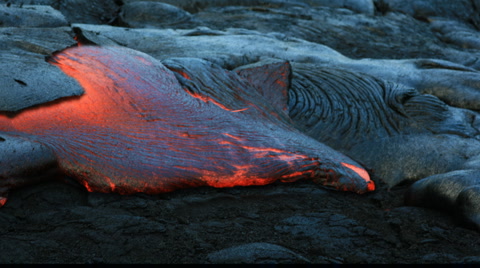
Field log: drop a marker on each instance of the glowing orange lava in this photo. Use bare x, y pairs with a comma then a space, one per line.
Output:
3, 200
362, 173
208, 99
136, 129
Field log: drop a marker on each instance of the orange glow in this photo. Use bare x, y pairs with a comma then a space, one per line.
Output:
137, 130
185, 75
241, 177
207, 99
281, 83
362, 173
85, 184
234, 137
3, 200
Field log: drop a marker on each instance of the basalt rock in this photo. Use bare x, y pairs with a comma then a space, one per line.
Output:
461, 10
31, 16
29, 80
256, 253
95, 11
155, 15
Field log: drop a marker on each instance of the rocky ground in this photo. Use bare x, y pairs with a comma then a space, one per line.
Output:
58, 222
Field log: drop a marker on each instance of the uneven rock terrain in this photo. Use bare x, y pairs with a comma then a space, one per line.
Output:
60, 222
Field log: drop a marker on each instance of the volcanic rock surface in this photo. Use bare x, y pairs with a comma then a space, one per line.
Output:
58, 222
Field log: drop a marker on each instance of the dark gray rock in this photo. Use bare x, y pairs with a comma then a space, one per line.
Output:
438, 258
15, 248
27, 78
456, 191
23, 162
457, 33
94, 11
31, 16
354, 35
408, 158
424, 9
145, 14
445, 188
471, 260
328, 231
195, 6
467, 203
260, 253
363, 6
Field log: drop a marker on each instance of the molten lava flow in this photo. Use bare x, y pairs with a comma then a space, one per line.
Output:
3, 200
184, 75
208, 99
362, 173
136, 129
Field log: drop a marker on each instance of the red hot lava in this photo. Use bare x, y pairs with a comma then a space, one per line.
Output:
137, 129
